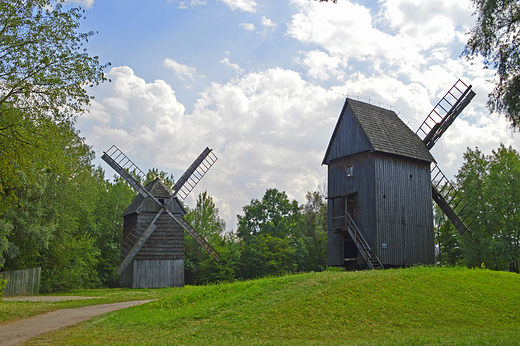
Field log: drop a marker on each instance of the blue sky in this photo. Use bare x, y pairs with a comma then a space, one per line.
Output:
263, 83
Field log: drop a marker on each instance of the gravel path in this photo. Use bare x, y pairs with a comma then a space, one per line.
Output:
17, 332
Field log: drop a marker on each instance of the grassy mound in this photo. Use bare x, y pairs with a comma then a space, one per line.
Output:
406, 307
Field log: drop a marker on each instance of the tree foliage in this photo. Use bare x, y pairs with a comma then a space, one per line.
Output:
496, 38
44, 70
275, 215
199, 266
491, 186
279, 236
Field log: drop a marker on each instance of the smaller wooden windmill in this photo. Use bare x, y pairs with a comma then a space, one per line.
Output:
152, 250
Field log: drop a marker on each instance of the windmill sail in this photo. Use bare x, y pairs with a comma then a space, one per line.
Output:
451, 202
195, 235
138, 245
444, 113
116, 159
432, 128
194, 174
345, 225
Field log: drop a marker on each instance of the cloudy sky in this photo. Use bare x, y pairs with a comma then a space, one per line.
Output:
262, 83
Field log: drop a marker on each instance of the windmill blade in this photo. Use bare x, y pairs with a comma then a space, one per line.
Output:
194, 234
444, 113
194, 174
451, 202
116, 159
139, 244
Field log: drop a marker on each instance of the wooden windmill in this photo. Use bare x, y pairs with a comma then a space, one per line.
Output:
380, 185
152, 250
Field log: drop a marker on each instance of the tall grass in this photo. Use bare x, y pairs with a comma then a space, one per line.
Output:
434, 306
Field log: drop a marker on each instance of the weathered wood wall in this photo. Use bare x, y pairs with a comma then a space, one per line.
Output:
348, 137
153, 274
393, 207
166, 242
22, 282
404, 213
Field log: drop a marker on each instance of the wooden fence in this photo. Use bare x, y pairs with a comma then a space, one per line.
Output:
22, 282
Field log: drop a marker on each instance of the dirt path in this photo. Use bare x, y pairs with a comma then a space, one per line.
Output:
17, 332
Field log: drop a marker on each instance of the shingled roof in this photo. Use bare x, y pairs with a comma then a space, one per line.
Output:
384, 131
156, 188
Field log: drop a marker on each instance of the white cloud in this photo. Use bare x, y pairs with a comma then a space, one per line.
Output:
322, 66
191, 3
182, 71
234, 66
248, 26
242, 5
395, 40
97, 113
268, 23
84, 3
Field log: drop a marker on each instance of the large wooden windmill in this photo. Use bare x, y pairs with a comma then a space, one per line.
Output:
381, 183
152, 250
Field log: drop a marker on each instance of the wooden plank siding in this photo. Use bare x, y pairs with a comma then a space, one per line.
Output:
391, 207
22, 282
348, 137
166, 242
153, 274
404, 213
382, 171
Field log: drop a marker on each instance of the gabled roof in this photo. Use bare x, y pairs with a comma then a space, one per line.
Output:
382, 129
157, 189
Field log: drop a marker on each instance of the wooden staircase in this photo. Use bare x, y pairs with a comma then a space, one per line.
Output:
345, 225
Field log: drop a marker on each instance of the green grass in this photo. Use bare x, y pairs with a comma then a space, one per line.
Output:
416, 306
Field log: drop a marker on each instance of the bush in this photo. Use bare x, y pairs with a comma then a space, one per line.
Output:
3, 283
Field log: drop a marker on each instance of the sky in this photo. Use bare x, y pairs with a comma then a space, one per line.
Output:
263, 82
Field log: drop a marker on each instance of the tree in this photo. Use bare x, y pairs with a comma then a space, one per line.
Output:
314, 229
199, 266
449, 251
106, 227
52, 222
491, 186
270, 234
43, 74
274, 215
154, 173
496, 38
503, 193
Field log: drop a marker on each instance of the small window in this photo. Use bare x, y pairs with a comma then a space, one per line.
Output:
350, 171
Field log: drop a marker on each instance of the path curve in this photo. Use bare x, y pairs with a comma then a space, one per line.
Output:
17, 332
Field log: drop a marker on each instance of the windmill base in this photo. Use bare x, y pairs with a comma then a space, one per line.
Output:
153, 274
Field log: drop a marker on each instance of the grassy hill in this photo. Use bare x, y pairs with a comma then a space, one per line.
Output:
433, 306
